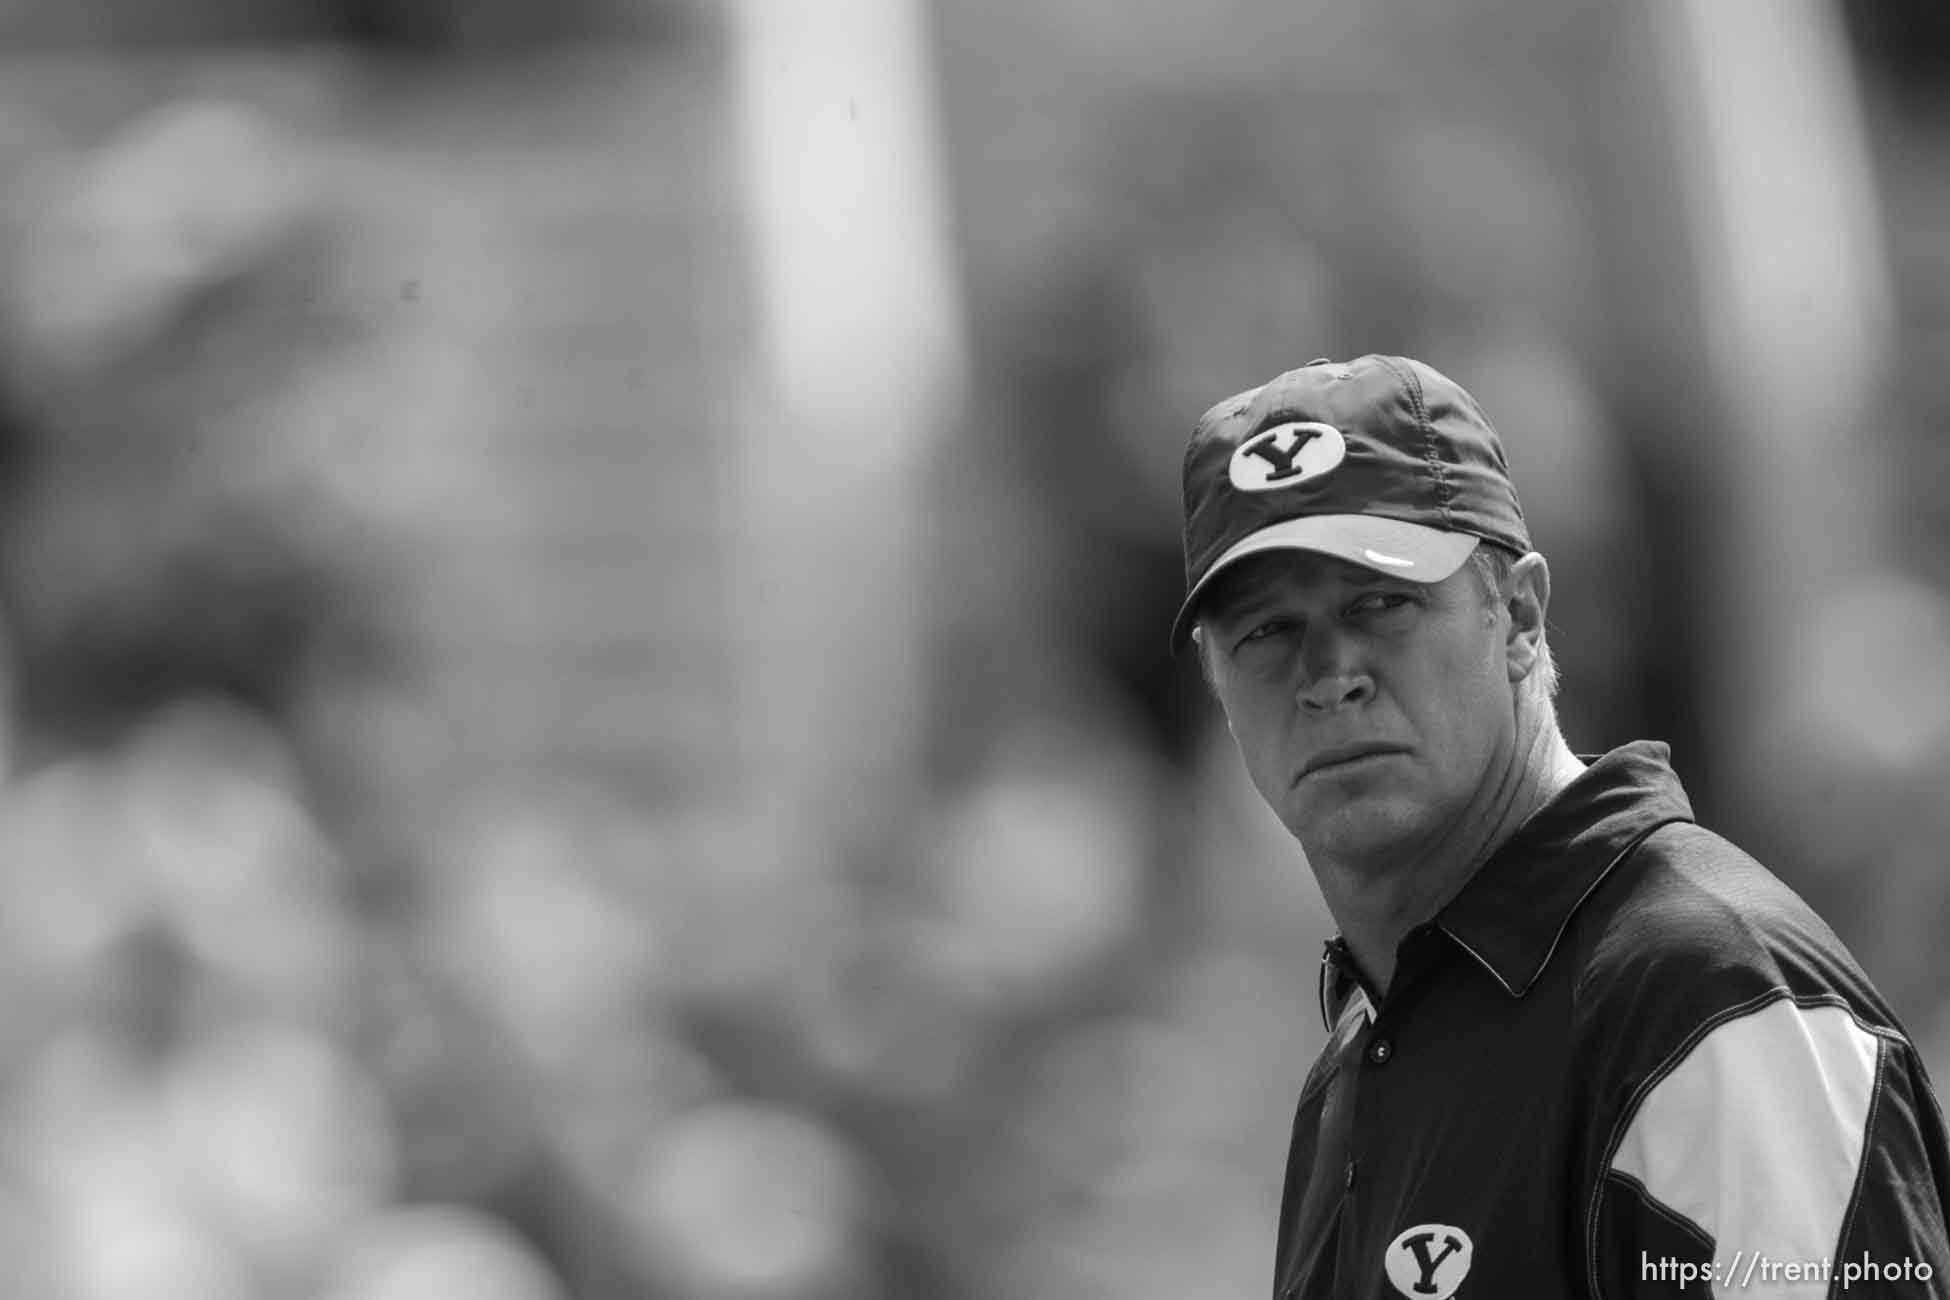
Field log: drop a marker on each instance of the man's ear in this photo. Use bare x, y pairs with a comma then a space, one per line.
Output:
1203, 652
1527, 600
1205, 670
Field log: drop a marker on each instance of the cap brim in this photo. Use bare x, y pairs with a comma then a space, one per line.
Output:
1411, 552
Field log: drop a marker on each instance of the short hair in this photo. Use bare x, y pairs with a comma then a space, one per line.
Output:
1490, 563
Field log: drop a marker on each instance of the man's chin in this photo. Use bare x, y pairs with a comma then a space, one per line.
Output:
1355, 831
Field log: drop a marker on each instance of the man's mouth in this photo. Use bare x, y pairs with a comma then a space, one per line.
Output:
1344, 757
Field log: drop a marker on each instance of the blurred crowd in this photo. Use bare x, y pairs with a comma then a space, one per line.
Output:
386, 915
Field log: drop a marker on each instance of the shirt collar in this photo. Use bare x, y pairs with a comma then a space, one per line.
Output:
1515, 909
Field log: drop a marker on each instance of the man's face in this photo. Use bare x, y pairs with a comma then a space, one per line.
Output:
1370, 711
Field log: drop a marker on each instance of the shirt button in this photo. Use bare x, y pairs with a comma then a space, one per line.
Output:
1380, 1050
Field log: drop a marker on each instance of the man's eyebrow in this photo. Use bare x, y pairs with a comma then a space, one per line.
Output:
1376, 578
1235, 607
1243, 595
1242, 601
1252, 593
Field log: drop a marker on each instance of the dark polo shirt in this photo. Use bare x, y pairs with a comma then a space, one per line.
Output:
1625, 1052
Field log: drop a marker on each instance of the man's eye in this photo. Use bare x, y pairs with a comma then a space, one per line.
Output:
1378, 601
1272, 627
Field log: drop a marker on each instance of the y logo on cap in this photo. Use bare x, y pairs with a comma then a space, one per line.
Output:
1429, 1261
1286, 454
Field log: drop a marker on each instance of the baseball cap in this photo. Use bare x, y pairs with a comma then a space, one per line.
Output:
1381, 461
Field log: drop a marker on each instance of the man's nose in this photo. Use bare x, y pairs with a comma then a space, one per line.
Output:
1331, 676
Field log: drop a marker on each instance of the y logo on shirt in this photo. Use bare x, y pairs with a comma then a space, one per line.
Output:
1428, 1261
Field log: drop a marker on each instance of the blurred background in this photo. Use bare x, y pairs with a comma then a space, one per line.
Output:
584, 590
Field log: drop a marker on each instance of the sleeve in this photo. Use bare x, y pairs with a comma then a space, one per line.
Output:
1784, 1149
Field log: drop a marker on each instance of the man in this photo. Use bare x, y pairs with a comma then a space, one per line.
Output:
1579, 1046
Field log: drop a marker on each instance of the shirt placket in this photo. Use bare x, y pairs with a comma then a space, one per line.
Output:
1351, 1099
1372, 1050
1348, 1250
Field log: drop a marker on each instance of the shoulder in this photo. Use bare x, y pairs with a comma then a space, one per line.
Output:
1749, 1088
1705, 984
1694, 926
